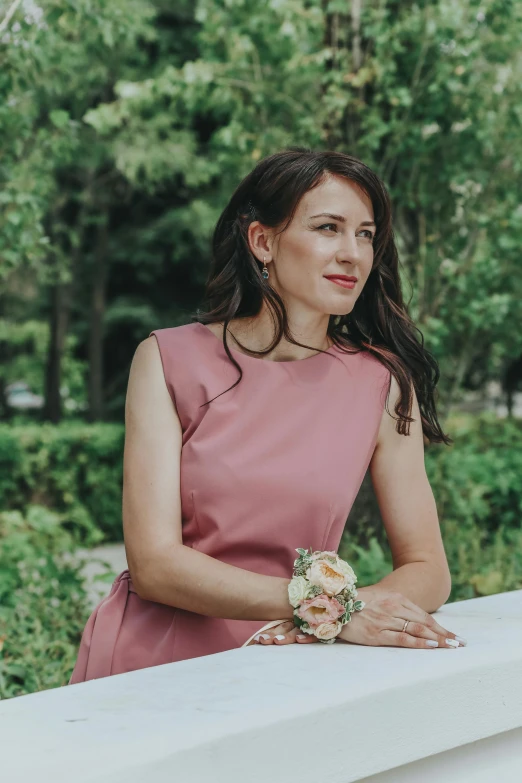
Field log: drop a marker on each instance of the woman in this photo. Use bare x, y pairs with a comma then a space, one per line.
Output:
225, 476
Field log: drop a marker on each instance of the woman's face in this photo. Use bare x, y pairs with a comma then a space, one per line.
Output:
331, 234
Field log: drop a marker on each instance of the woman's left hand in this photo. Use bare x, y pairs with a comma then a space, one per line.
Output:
289, 632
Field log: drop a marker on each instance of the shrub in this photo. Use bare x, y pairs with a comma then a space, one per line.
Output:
73, 468
479, 564
477, 489
43, 606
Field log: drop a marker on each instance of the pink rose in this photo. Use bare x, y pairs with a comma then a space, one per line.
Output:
320, 609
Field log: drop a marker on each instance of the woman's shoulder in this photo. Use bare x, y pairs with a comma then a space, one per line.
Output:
180, 330
179, 338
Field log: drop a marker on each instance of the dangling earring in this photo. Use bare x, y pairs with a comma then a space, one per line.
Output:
265, 271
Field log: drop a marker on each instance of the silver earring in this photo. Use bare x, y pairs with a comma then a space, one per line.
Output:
265, 271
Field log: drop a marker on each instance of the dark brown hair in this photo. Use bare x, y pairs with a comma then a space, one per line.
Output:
379, 322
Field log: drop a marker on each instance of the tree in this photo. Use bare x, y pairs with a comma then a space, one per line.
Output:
55, 179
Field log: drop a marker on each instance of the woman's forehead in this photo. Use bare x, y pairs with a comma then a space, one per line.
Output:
340, 198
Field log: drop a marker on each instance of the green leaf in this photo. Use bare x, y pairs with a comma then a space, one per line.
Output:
59, 118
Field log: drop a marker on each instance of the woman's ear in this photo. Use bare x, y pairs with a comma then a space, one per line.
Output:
260, 240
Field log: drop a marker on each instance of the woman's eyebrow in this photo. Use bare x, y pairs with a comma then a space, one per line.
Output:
341, 219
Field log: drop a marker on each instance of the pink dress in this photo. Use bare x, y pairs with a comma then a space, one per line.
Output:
272, 465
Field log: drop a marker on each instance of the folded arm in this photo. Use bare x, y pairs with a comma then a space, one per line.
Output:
409, 512
162, 568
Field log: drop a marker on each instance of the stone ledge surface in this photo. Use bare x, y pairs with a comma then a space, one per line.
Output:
338, 712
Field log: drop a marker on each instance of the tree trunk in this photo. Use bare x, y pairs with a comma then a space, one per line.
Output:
5, 412
99, 282
62, 295
60, 309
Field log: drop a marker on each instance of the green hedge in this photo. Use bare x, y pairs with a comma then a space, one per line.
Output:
60, 487
480, 563
75, 469
478, 479
43, 604
477, 487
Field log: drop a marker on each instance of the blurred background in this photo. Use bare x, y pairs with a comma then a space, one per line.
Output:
124, 129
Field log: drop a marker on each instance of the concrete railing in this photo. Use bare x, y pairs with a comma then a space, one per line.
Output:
337, 713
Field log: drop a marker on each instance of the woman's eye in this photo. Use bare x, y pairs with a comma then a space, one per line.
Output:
327, 225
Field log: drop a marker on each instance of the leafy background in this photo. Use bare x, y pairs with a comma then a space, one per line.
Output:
125, 127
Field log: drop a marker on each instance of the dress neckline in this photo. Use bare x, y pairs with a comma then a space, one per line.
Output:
242, 355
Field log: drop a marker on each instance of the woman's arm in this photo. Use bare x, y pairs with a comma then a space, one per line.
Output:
409, 513
161, 567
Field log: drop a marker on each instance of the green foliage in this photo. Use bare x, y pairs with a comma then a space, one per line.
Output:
371, 562
429, 103
73, 468
43, 606
477, 480
144, 116
28, 346
482, 564
67, 478
54, 63
476, 485
76, 469
479, 564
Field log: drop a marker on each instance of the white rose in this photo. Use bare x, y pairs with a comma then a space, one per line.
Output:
327, 576
327, 631
347, 571
297, 590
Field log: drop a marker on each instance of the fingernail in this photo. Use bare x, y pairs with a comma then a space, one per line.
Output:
256, 638
452, 642
279, 636
301, 636
461, 640
432, 643
265, 636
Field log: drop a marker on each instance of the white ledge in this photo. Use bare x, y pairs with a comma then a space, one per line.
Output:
310, 713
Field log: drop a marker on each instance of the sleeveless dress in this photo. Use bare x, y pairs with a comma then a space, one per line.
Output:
271, 465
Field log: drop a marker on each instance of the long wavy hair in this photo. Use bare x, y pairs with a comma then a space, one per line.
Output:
379, 322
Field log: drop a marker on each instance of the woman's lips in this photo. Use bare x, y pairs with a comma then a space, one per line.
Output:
340, 281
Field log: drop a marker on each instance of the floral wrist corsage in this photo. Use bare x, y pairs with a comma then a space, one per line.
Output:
322, 592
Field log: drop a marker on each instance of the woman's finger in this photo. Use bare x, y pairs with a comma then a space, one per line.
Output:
405, 639
291, 636
305, 638
421, 631
268, 636
426, 619
286, 638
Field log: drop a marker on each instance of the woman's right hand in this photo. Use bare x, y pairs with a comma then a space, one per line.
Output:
381, 620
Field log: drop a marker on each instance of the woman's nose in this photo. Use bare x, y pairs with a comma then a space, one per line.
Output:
351, 248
